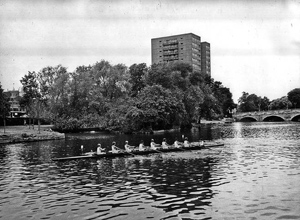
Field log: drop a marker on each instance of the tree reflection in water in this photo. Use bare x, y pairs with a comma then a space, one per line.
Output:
169, 183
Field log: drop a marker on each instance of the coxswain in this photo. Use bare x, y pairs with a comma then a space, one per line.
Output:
164, 144
142, 147
81, 148
114, 148
100, 150
128, 148
186, 143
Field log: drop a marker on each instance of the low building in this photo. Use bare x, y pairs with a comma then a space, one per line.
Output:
16, 110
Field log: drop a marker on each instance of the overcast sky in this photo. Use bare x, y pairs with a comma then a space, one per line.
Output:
255, 45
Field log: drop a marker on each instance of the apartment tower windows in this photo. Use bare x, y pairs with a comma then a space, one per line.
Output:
185, 48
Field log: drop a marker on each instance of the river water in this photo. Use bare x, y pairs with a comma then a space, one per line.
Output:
256, 175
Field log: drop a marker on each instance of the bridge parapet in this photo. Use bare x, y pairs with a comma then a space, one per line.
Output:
285, 114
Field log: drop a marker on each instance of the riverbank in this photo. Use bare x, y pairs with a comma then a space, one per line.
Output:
206, 122
19, 134
203, 121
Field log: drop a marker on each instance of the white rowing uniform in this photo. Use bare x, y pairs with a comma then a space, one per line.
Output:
164, 145
176, 144
142, 147
100, 150
152, 146
186, 143
114, 149
128, 148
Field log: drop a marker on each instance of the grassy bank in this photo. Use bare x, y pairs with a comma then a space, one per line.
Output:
18, 134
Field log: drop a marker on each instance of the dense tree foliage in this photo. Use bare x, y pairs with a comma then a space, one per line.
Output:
137, 77
281, 103
115, 97
294, 97
31, 94
4, 103
251, 102
223, 95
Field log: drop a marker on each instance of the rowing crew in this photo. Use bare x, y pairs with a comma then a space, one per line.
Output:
142, 147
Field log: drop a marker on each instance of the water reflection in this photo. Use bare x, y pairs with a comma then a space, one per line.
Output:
170, 184
255, 176
275, 130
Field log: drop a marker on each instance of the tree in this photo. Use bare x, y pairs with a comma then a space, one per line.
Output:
294, 97
185, 69
159, 74
281, 103
31, 93
4, 105
53, 86
137, 77
264, 103
160, 107
111, 80
222, 101
114, 97
224, 97
30, 87
250, 103
193, 99
197, 79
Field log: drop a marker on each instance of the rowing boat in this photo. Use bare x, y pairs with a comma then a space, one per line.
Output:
195, 146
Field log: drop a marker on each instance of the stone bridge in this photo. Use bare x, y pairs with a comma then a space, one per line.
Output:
272, 115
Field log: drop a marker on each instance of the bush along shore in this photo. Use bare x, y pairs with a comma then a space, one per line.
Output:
19, 134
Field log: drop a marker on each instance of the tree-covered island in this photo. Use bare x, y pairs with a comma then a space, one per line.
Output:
115, 97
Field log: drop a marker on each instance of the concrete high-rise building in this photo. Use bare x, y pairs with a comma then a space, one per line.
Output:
205, 58
184, 47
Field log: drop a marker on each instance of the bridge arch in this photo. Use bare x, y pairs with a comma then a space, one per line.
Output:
296, 118
248, 119
273, 118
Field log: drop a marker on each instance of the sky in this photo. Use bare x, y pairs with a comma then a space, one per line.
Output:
255, 45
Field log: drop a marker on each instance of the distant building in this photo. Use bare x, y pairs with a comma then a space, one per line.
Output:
184, 47
15, 109
205, 58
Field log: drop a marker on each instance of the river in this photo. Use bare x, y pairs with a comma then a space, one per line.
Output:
255, 175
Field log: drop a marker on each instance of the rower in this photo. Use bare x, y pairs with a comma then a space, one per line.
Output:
164, 144
177, 144
128, 148
153, 145
202, 144
114, 148
186, 143
142, 147
100, 150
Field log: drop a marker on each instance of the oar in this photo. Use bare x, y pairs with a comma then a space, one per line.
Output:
180, 148
157, 151
162, 151
130, 153
124, 151
187, 148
